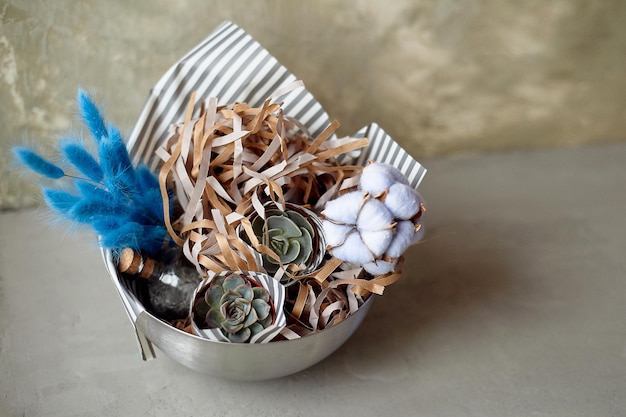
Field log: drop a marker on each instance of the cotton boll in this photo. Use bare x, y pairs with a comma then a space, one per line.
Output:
353, 250
398, 175
374, 216
377, 241
335, 234
418, 235
402, 201
344, 209
377, 178
402, 239
379, 267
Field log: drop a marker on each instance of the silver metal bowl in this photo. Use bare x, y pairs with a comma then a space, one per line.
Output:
238, 361
243, 361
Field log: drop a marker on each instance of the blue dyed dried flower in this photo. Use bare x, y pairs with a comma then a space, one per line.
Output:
121, 203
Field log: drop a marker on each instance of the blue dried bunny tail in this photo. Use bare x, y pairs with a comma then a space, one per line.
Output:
148, 184
91, 116
107, 228
146, 180
153, 203
107, 224
87, 211
124, 164
123, 205
120, 223
60, 201
84, 162
125, 236
115, 162
93, 192
117, 235
37, 163
153, 239
140, 215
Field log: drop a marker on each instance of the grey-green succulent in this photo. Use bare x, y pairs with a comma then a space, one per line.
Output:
289, 234
236, 306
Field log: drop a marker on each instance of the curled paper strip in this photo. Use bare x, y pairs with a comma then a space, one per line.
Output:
222, 164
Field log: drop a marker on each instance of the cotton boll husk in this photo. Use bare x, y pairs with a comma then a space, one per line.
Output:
402, 239
377, 241
344, 209
335, 234
376, 178
353, 250
402, 201
418, 235
379, 267
374, 216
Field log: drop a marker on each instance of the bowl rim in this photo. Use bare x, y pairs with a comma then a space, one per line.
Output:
134, 309
273, 342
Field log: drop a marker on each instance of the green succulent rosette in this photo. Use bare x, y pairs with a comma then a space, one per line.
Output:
295, 235
238, 307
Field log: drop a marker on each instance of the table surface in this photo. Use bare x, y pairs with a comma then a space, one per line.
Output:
513, 305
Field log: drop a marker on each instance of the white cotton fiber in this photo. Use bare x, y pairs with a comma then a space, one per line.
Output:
402, 201
379, 267
344, 209
377, 241
402, 239
418, 235
398, 175
353, 250
376, 178
374, 216
335, 234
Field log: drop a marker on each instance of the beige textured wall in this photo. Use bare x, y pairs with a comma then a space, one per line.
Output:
441, 76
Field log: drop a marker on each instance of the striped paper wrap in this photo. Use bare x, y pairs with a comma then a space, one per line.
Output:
233, 67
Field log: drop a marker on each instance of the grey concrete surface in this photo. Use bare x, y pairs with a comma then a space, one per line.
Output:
513, 305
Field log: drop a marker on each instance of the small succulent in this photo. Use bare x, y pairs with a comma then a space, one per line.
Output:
236, 305
290, 235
